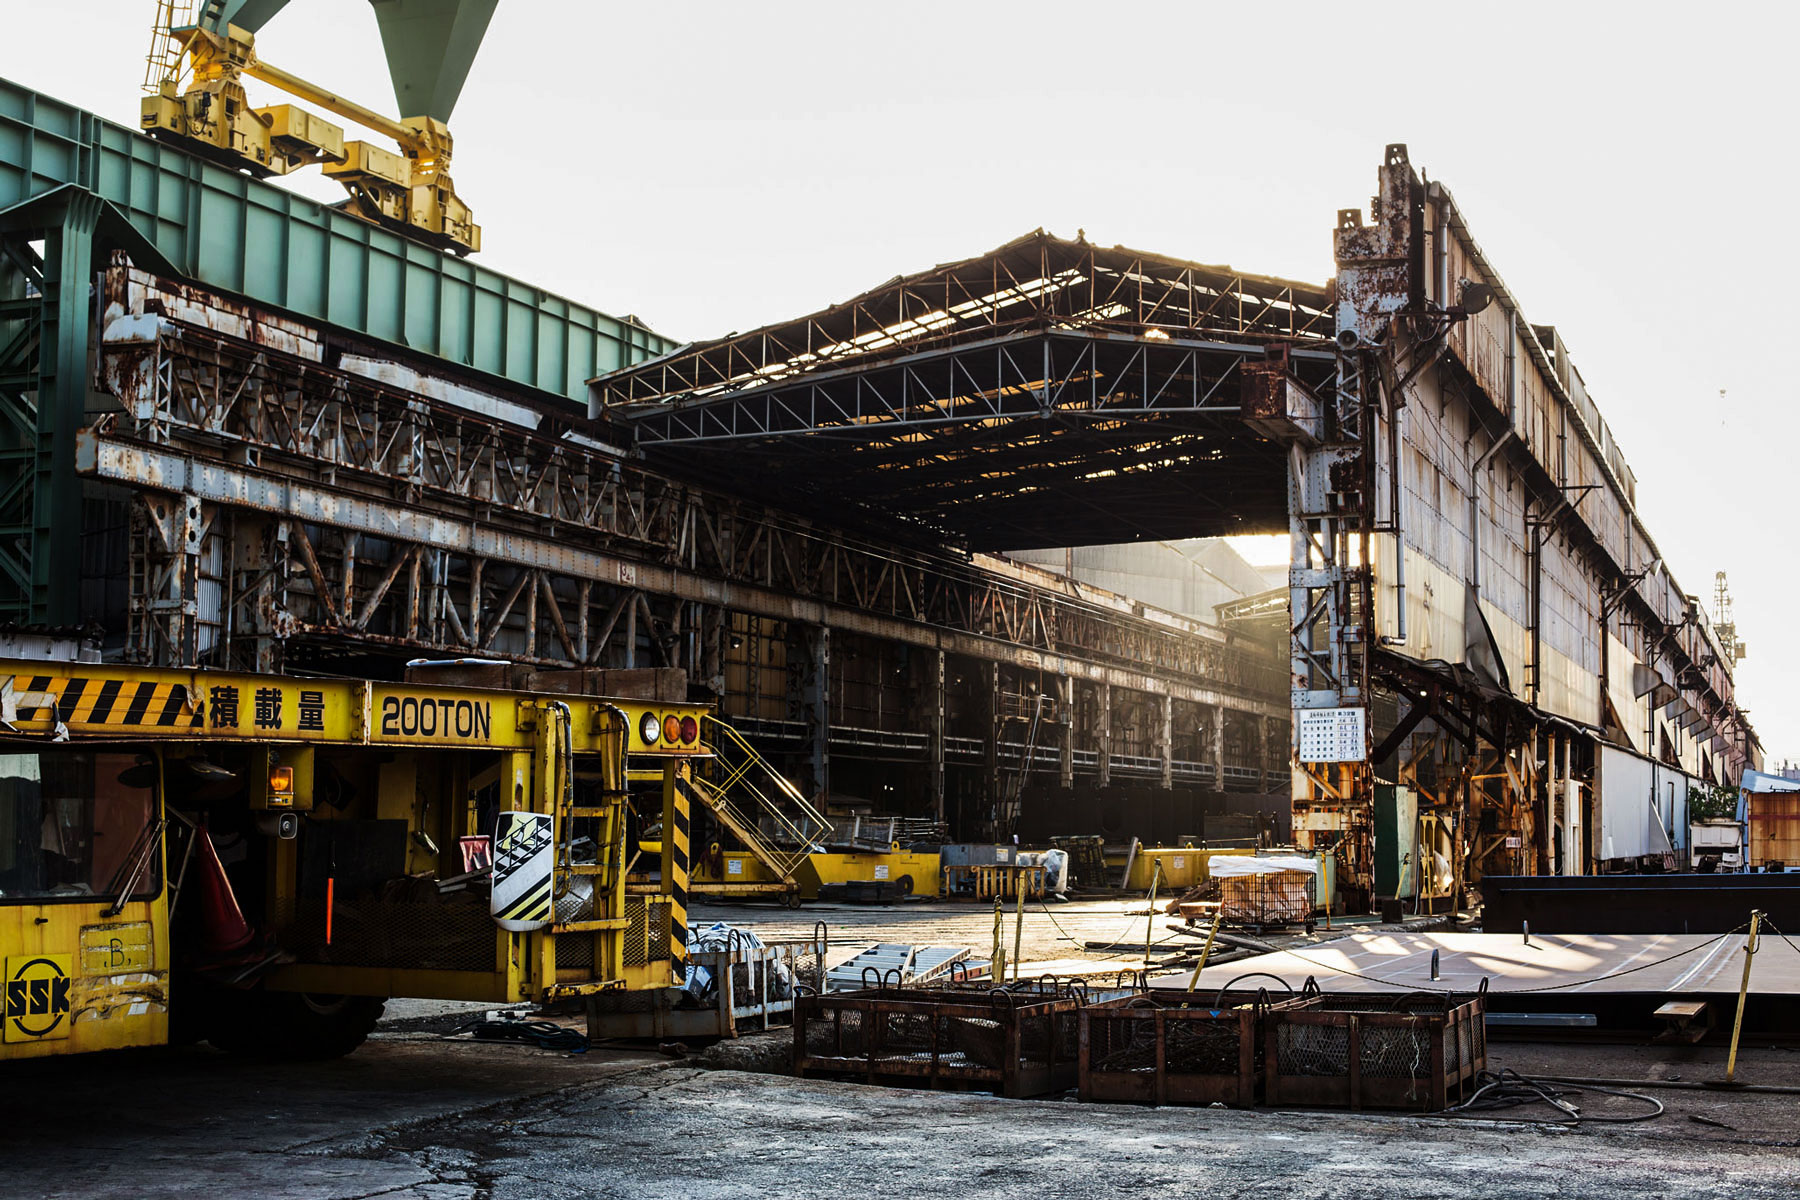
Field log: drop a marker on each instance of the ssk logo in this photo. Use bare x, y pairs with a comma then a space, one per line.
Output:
37, 997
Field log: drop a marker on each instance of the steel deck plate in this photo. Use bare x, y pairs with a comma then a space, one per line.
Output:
1579, 963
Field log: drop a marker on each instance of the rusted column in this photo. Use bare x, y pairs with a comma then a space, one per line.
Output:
935, 707
815, 711
1168, 741
1065, 705
1105, 735
1218, 747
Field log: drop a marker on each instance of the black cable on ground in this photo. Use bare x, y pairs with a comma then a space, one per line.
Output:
1498, 1091
1682, 1085
545, 1035
1130, 924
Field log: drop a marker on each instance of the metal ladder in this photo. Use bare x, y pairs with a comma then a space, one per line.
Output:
762, 809
164, 59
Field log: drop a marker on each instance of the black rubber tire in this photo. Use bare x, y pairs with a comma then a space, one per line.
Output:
904, 885
292, 1026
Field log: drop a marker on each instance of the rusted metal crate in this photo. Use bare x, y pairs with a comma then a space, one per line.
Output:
1417, 1050
1010, 1043
1172, 1048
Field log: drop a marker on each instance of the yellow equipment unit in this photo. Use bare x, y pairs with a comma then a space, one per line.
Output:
260, 860
196, 98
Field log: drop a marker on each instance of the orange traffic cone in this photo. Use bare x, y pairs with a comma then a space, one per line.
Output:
222, 921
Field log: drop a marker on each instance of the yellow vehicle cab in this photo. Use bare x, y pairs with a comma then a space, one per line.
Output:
260, 860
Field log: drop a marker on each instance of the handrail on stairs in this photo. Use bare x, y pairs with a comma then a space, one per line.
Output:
795, 819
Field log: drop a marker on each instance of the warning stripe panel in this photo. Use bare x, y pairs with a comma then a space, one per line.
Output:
113, 703
678, 883
534, 905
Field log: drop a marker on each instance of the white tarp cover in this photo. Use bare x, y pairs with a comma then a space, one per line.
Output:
722, 937
1226, 865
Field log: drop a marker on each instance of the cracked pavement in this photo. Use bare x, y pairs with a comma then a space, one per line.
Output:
414, 1116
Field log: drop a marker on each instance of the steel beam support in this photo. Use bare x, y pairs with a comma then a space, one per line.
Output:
990, 749
1218, 747
371, 447
1331, 517
815, 712
22, 326
240, 487
1065, 711
1166, 712
61, 397
1105, 710
936, 709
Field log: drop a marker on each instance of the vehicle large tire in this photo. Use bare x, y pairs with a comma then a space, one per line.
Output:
292, 1026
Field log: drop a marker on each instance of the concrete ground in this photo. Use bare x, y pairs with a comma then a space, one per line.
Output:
416, 1117
1050, 930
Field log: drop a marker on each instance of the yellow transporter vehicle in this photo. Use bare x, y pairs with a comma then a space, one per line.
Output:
259, 861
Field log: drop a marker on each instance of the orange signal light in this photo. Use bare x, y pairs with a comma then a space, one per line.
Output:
281, 780
671, 728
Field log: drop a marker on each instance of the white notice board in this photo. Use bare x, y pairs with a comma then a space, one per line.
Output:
1333, 734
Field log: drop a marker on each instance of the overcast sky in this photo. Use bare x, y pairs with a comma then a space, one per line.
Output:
712, 167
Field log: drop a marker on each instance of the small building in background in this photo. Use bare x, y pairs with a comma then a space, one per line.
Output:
1770, 810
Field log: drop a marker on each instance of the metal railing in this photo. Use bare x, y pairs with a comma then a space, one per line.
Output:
749, 796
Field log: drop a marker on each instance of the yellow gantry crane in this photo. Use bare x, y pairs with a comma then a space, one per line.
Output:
194, 80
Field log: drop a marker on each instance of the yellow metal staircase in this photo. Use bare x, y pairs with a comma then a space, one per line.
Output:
762, 809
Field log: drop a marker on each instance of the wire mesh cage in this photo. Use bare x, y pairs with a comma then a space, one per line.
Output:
1013, 1043
1413, 1050
1274, 898
1174, 1048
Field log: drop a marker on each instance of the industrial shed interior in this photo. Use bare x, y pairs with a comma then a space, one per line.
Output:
1290, 658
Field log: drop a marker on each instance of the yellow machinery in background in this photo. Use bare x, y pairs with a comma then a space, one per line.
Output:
732, 874
1174, 866
259, 860
194, 82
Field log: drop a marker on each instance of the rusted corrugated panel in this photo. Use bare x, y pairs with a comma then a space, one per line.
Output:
1774, 828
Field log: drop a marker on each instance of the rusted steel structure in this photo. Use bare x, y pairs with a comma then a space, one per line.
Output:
1467, 548
1474, 608
265, 492
277, 439
1047, 393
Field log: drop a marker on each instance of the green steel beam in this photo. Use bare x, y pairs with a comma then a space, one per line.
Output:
430, 47
249, 15
63, 376
21, 326
78, 186
257, 240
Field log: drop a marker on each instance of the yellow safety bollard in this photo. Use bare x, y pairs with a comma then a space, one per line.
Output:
1206, 950
1737, 1024
1019, 922
1150, 921
997, 960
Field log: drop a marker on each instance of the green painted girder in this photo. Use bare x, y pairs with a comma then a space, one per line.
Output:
249, 15
430, 47
254, 239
